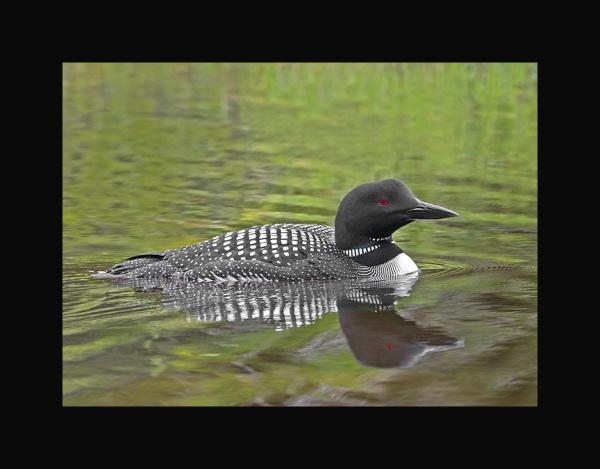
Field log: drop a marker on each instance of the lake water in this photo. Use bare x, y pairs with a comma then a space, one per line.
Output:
157, 156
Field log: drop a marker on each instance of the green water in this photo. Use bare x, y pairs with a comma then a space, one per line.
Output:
157, 156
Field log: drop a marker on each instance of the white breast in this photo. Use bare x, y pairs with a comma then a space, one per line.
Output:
402, 264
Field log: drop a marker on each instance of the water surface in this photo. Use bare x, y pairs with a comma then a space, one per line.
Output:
158, 156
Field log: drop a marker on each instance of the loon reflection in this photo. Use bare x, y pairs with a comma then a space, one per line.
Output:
381, 338
375, 332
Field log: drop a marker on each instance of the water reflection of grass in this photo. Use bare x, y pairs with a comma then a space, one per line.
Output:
170, 361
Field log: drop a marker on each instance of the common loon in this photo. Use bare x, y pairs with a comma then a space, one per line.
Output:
360, 245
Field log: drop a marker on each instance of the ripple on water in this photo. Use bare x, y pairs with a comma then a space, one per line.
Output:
449, 268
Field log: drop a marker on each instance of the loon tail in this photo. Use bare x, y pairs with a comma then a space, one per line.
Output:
135, 262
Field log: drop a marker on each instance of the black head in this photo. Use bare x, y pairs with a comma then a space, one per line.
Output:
377, 209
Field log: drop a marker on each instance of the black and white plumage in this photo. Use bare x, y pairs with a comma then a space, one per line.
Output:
260, 253
360, 245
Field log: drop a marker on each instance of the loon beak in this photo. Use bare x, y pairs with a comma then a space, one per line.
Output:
427, 211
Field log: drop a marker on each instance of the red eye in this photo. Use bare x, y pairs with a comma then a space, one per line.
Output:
383, 202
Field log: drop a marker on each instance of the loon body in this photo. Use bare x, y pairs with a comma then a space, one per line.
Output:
359, 246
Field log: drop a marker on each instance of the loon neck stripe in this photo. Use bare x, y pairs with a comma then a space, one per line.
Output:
389, 238
360, 251
378, 242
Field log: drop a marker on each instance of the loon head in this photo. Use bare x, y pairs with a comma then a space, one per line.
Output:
375, 210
